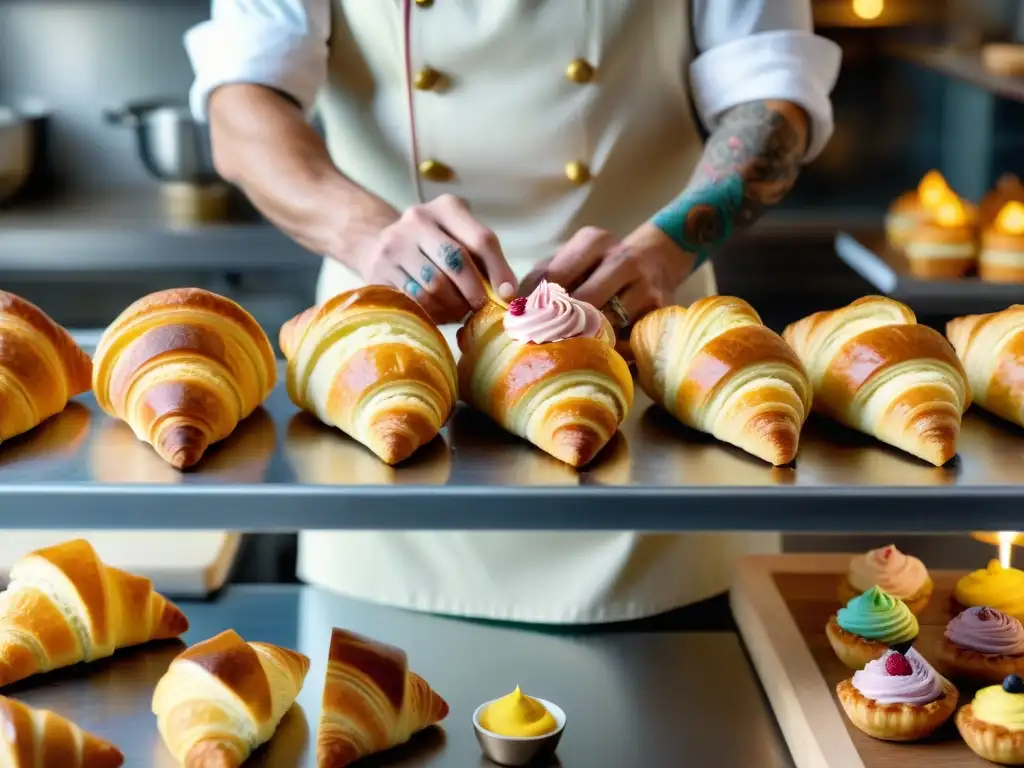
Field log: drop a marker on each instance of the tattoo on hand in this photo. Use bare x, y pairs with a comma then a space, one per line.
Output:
412, 287
750, 162
427, 274
451, 255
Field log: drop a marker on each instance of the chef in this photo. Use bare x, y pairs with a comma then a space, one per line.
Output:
537, 138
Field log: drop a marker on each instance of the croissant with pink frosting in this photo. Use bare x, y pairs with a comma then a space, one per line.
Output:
545, 368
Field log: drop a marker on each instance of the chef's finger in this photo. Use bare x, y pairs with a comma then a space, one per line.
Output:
639, 299
451, 258
482, 244
579, 256
434, 281
404, 282
617, 270
532, 280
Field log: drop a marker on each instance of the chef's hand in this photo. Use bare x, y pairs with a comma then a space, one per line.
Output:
643, 271
429, 253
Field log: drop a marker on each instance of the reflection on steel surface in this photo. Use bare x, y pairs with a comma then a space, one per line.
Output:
57, 437
323, 455
117, 456
290, 742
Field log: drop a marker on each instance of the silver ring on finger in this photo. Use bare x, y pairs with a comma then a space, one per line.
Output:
616, 313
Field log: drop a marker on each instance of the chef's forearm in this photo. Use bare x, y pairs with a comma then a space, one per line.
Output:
750, 163
263, 144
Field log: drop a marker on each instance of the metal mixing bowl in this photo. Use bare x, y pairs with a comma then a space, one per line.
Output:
171, 145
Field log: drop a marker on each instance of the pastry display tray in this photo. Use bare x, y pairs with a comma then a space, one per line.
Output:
620, 690
781, 604
887, 270
281, 470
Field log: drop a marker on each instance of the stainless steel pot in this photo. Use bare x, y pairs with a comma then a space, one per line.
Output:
17, 152
171, 145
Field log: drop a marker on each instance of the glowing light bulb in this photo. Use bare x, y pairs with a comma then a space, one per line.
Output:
1006, 539
1011, 218
868, 9
933, 190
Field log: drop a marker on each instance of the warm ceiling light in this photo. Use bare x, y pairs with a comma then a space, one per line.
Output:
1011, 218
868, 9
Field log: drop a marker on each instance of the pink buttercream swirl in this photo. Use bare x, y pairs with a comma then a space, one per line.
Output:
987, 631
551, 314
898, 574
922, 686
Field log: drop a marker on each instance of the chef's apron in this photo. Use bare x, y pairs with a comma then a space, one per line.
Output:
544, 117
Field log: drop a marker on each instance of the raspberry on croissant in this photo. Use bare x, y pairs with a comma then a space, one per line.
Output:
718, 369
63, 606
37, 738
371, 363
182, 368
41, 366
876, 370
991, 347
546, 370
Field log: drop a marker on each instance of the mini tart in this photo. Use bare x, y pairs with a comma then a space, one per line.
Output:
897, 722
1002, 257
989, 741
937, 252
902, 218
965, 664
915, 602
853, 650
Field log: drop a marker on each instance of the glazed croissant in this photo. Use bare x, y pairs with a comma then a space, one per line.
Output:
222, 698
37, 738
371, 363
566, 397
991, 348
182, 368
876, 370
718, 369
64, 606
41, 366
372, 702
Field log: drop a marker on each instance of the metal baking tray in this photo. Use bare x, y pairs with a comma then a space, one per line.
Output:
282, 470
619, 689
886, 268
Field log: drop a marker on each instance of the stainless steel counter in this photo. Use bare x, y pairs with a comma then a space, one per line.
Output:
282, 470
654, 700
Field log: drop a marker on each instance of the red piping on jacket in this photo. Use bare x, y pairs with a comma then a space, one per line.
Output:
407, 40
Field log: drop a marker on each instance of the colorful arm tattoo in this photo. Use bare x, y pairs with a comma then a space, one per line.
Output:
750, 162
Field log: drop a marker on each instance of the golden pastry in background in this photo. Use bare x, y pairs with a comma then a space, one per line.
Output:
1002, 246
911, 207
183, 367
944, 246
320, 456
117, 456
1008, 187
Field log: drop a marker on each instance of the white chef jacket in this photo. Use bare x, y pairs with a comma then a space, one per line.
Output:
505, 124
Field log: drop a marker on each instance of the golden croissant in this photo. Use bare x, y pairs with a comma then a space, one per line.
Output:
182, 367
41, 366
371, 363
222, 698
876, 370
718, 369
991, 348
372, 702
566, 397
37, 738
64, 606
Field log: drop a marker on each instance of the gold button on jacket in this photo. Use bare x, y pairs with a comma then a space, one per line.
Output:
432, 170
427, 79
579, 71
577, 172
424, 3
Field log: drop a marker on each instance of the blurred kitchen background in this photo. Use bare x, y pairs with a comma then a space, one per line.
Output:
94, 229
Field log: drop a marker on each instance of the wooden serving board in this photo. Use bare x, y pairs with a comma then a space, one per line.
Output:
781, 604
